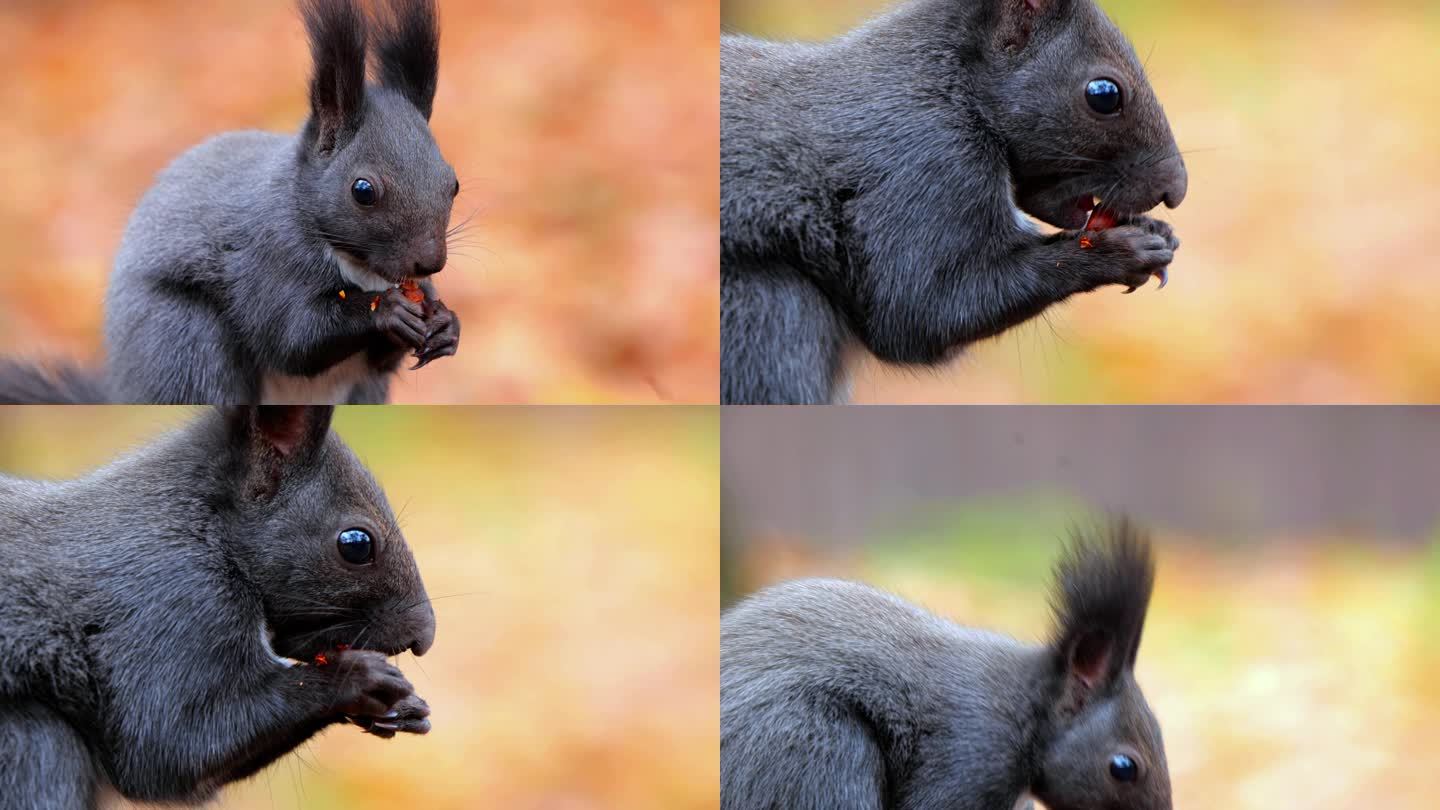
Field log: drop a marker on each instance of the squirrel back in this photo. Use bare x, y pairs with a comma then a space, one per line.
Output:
834, 694
167, 610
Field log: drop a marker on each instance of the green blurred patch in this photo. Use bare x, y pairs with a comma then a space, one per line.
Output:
1005, 539
1430, 597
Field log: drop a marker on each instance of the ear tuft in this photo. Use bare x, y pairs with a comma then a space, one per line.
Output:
338, 37
408, 50
1101, 593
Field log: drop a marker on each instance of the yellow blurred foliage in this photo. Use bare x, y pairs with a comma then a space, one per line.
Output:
571, 556
585, 135
1307, 273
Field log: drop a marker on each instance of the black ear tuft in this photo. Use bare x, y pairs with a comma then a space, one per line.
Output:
272, 439
1101, 592
338, 35
408, 50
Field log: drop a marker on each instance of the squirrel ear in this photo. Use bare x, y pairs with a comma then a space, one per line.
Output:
1017, 20
338, 38
1089, 659
292, 430
1101, 592
408, 48
272, 438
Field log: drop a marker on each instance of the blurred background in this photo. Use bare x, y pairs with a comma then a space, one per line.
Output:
570, 554
1291, 650
585, 134
1312, 133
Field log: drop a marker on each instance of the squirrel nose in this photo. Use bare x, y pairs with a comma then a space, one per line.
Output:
425, 636
1179, 184
430, 268
431, 260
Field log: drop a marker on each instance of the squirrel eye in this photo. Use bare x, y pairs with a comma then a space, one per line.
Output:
1123, 768
1103, 96
364, 192
356, 547
456, 192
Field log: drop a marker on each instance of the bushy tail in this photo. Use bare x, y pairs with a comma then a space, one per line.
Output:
56, 384
1103, 583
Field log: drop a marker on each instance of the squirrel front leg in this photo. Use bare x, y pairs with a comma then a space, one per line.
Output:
232, 733
309, 335
983, 296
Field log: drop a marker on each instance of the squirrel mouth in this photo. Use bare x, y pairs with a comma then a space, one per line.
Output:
285, 651
358, 273
1097, 216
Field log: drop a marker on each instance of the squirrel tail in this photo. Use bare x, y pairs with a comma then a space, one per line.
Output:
1103, 582
56, 384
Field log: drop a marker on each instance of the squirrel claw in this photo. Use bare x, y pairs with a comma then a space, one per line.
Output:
1164, 275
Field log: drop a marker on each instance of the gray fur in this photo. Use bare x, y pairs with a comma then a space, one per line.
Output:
836, 696
148, 604
869, 186
52, 383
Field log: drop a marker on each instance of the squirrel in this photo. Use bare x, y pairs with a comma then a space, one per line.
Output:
181, 618
836, 696
875, 188
268, 268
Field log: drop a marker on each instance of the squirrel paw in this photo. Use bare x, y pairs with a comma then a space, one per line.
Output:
400, 319
1157, 227
367, 685
442, 335
411, 716
1134, 252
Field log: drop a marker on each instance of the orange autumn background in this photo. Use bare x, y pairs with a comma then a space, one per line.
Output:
1308, 269
584, 133
570, 557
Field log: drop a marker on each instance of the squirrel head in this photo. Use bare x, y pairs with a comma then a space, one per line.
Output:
372, 185
309, 529
1078, 116
1105, 751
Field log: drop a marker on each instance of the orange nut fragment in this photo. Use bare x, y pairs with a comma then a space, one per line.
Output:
410, 288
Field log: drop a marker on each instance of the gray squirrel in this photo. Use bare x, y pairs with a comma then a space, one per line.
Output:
267, 268
836, 696
874, 189
183, 617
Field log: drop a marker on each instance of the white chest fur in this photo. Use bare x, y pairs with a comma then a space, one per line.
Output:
360, 276
330, 387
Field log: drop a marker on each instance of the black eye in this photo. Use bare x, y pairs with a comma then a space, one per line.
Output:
1103, 96
456, 192
1123, 768
364, 192
356, 547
